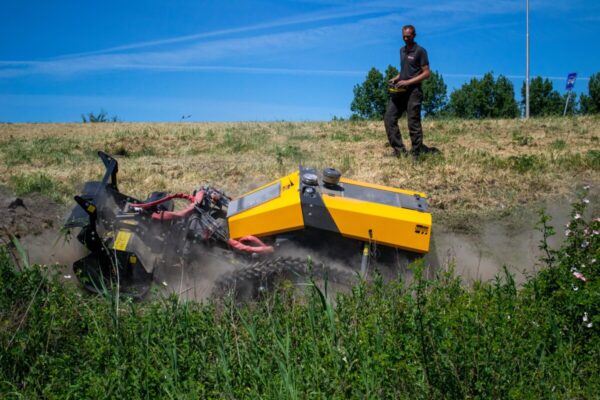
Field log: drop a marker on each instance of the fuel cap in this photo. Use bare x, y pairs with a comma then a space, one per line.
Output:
310, 179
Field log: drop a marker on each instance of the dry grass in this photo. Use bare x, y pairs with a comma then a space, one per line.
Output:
486, 166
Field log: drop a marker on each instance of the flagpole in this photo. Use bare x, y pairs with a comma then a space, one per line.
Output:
527, 61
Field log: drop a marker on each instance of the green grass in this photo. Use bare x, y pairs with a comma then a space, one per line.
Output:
37, 183
242, 140
44, 150
433, 339
506, 157
288, 152
521, 139
558, 144
526, 163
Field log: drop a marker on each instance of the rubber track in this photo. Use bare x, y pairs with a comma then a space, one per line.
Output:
264, 272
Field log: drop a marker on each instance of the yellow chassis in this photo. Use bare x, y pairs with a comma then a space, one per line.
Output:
367, 212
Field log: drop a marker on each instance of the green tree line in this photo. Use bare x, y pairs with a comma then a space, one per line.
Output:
487, 97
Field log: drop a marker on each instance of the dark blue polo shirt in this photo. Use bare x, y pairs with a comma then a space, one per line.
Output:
412, 61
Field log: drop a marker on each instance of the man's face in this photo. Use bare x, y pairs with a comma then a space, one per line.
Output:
409, 36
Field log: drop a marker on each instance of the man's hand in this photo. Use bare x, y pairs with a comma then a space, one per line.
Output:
402, 83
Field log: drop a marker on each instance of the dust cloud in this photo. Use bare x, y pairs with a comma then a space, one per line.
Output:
478, 253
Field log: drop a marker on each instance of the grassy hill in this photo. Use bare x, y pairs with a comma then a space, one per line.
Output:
435, 338
487, 165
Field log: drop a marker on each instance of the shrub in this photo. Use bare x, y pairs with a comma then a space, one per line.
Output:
435, 338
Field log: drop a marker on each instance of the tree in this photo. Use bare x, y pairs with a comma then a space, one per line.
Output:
590, 103
102, 116
484, 98
370, 97
390, 72
543, 100
505, 105
435, 95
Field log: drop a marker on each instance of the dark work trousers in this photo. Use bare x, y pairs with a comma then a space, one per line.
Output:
409, 101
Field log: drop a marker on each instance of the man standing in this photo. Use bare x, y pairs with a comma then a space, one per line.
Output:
406, 95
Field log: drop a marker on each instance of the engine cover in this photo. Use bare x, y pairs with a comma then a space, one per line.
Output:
367, 212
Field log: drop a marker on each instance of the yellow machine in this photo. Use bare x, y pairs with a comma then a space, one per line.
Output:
305, 214
366, 212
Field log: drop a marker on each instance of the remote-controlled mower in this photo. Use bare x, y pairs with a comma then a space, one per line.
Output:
277, 230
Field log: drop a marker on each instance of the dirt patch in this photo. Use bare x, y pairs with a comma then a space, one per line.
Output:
27, 215
35, 222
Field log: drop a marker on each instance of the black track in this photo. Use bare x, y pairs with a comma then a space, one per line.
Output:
249, 282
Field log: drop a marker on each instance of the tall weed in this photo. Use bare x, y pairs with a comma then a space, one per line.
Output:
435, 338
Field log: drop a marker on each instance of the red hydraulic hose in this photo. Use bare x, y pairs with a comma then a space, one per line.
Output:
184, 196
169, 215
257, 247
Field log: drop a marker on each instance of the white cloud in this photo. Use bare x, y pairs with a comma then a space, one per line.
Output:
253, 44
233, 50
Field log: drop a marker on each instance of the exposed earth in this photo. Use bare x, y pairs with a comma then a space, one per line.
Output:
476, 249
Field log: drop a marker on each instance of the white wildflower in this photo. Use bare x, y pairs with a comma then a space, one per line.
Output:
575, 288
589, 325
593, 261
595, 233
586, 187
164, 283
567, 232
67, 276
586, 201
579, 275
585, 244
577, 216
585, 317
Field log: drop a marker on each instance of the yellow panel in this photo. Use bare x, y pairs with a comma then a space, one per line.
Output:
122, 240
392, 226
389, 189
278, 215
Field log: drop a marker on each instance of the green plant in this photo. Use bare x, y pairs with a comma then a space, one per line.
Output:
558, 144
36, 183
347, 162
521, 139
526, 162
234, 142
102, 116
426, 338
290, 152
341, 136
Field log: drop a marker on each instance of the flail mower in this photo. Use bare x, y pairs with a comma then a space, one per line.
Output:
271, 234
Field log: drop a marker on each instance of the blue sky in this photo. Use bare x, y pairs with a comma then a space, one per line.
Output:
265, 60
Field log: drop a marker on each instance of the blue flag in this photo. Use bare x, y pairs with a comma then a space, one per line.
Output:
571, 80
